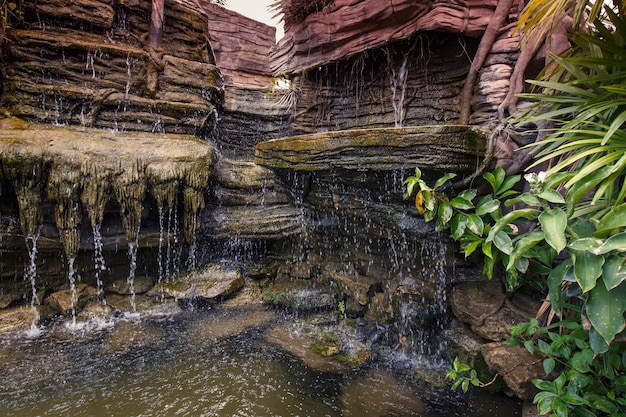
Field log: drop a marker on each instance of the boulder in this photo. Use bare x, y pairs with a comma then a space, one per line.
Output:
490, 313
208, 282
140, 285
241, 45
516, 365
270, 222
68, 302
20, 318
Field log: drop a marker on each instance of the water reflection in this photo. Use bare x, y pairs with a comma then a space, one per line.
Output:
189, 365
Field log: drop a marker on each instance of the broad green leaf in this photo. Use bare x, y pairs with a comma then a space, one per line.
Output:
522, 246
589, 244
430, 204
614, 219
596, 342
503, 242
548, 365
488, 264
555, 284
458, 226
605, 310
508, 183
573, 399
443, 180
553, 222
614, 271
491, 179
461, 203
587, 269
468, 194
445, 212
582, 359
487, 206
509, 218
551, 196
488, 249
525, 198
475, 224
471, 246
614, 243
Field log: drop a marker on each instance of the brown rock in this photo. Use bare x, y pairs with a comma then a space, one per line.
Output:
444, 148
209, 282
141, 284
65, 303
21, 318
516, 366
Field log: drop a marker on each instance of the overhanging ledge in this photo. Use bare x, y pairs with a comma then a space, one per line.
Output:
441, 148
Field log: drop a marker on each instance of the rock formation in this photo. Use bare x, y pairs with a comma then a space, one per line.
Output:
290, 160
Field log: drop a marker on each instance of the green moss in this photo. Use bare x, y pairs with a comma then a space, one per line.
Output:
327, 344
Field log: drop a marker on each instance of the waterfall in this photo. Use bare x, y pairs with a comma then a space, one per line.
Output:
98, 257
30, 273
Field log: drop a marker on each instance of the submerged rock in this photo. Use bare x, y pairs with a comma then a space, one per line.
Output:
386, 396
322, 350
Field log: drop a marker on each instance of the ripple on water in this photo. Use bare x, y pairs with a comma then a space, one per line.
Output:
186, 365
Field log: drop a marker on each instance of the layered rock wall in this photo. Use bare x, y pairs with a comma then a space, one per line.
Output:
86, 63
407, 83
347, 27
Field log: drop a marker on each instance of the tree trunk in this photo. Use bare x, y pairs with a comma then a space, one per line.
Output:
495, 24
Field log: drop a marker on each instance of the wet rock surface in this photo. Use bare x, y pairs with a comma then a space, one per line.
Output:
19, 318
208, 282
439, 148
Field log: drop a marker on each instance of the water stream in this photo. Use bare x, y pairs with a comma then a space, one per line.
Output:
192, 364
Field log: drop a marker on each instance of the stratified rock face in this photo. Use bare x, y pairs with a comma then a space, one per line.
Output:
347, 27
86, 63
411, 82
241, 46
440, 148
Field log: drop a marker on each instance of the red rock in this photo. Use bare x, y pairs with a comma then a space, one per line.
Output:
241, 45
347, 27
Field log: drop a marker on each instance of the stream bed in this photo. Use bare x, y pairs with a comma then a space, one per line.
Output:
189, 364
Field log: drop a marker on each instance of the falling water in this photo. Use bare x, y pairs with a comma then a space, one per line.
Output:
98, 256
31, 269
132, 257
71, 277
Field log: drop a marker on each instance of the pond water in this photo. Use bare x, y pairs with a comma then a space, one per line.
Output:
186, 364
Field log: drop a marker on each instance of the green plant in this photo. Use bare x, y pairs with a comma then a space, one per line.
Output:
567, 234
